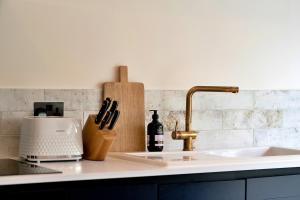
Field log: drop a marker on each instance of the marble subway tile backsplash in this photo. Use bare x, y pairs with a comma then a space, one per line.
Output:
286, 99
223, 101
73, 98
285, 137
18, 99
223, 120
224, 139
9, 145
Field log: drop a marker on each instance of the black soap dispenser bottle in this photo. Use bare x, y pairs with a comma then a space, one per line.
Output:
155, 134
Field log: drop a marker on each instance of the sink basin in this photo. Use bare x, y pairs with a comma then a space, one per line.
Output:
170, 159
254, 152
209, 158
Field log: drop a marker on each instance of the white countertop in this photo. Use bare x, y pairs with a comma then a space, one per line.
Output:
118, 168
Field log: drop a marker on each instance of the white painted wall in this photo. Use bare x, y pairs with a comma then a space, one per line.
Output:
168, 44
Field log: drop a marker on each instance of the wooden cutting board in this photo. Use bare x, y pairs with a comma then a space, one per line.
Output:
130, 127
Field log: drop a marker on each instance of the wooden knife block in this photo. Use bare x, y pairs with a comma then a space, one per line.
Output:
96, 142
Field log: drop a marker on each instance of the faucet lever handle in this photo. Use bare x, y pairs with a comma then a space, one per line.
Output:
176, 126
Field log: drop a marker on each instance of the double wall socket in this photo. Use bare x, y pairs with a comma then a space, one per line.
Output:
48, 109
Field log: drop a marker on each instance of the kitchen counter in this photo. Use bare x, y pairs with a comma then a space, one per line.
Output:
212, 178
115, 168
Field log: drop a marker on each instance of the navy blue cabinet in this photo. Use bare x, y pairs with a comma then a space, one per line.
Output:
278, 187
244, 185
115, 192
34, 194
220, 190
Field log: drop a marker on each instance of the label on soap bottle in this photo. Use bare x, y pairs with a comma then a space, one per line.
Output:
159, 140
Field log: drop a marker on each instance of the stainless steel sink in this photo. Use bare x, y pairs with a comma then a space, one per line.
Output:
254, 152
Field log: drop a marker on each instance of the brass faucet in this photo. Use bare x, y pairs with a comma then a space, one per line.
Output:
188, 135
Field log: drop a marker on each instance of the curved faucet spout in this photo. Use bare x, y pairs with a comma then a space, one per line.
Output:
188, 135
189, 95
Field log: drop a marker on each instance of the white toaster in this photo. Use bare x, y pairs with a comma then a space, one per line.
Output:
50, 139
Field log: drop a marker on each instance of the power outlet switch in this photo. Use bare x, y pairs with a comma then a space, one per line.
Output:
48, 109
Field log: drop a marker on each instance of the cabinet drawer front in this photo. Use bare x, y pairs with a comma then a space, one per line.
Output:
35, 195
279, 187
116, 192
220, 190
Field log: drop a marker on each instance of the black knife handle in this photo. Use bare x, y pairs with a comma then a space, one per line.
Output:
109, 100
114, 119
103, 123
101, 112
113, 107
